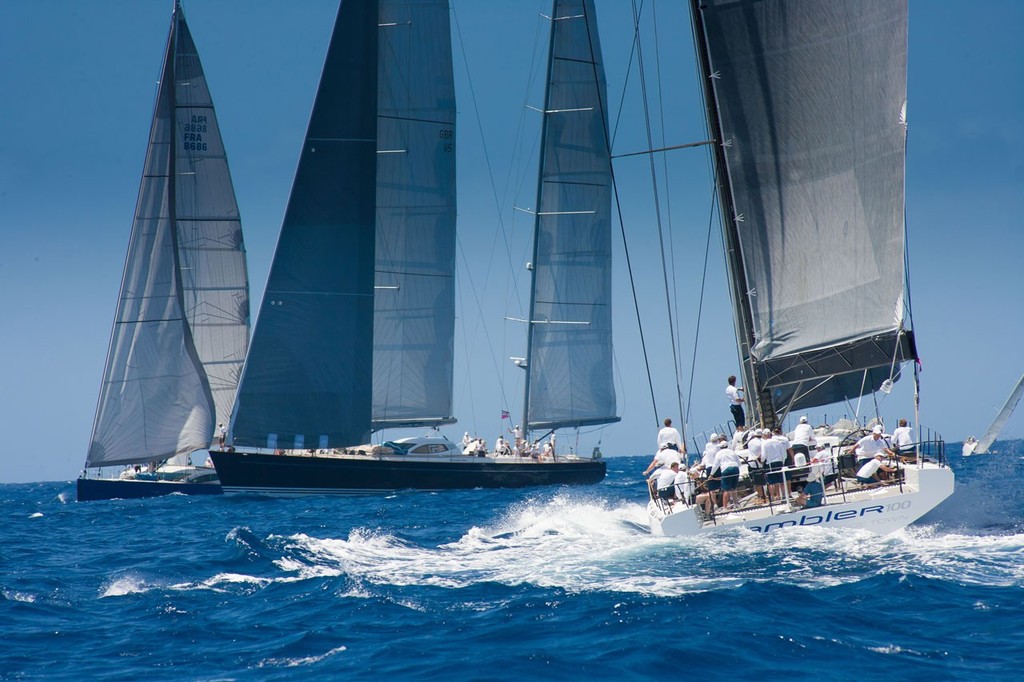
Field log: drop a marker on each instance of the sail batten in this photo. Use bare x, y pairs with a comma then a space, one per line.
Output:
181, 328
810, 98
569, 344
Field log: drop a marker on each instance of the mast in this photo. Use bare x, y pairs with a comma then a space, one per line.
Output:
536, 227
761, 407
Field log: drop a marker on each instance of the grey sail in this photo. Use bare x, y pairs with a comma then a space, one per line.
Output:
181, 326
569, 345
307, 379
1000, 421
414, 300
809, 102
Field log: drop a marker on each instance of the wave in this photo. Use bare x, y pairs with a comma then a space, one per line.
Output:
591, 545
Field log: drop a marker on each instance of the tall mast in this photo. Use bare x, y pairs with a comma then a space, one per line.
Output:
756, 398
536, 226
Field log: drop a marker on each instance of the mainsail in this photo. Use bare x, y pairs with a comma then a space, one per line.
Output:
569, 343
182, 322
414, 301
807, 101
307, 379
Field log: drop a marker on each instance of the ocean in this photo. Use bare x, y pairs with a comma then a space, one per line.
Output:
543, 583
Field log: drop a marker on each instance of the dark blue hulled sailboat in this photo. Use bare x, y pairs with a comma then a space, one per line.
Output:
181, 328
356, 329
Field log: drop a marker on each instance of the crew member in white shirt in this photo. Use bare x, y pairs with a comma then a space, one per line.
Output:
735, 401
669, 436
666, 480
903, 438
727, 462
774, 451
804, 434
869, 446
869, 472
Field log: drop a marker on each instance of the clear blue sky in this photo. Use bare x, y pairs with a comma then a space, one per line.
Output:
78, 81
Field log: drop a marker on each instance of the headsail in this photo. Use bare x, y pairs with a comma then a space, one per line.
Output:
307, 380
414, 301
181, 326
810, 99
569, 346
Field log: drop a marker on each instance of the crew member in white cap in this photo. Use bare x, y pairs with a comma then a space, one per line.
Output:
804, 434
869, 446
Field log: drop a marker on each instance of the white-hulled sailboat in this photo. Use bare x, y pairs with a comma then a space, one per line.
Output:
806, 104
980, 447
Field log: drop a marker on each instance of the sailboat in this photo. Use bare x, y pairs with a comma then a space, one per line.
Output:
980, 447
355, 332
806, 104
181, 328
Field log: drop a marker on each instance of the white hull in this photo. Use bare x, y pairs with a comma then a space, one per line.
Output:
969, 448
881, 510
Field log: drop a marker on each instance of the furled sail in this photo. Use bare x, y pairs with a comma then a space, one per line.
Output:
569, 345
181, 326
414, 300
810, 98
307, 379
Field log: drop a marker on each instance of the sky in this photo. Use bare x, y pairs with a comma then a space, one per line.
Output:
77, 87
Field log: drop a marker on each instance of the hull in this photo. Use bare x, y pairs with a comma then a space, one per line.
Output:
340, 475
93, 489
880, 510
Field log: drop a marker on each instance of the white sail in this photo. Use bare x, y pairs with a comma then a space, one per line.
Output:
182, 322
1000, 421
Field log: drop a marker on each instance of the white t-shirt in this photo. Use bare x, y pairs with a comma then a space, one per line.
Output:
903, 437
734, 395
774, 449
726, 458
666, 478
803, 433
684, 484
754, 449
869, 447
667, 456
668, 435
869, 469
708, 460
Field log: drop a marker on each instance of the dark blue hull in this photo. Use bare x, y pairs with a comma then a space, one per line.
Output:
241, 472
91, 489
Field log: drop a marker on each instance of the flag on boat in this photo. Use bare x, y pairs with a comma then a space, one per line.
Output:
505, 414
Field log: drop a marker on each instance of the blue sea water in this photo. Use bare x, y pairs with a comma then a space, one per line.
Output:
546, 583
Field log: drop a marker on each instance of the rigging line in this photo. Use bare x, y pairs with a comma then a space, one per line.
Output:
494, 193
625, 82
622, 228
669, 148
700, 299
657, 203
668, 204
